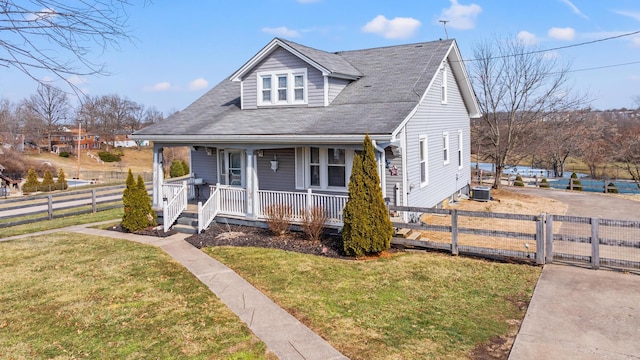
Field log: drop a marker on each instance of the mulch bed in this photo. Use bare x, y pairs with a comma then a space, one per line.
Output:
234, 235
150, 231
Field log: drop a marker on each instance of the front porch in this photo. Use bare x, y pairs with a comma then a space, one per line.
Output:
226, 201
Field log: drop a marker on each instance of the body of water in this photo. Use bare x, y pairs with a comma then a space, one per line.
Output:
526, 171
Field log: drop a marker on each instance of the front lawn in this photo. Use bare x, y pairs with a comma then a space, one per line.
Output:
407, 306
68, 296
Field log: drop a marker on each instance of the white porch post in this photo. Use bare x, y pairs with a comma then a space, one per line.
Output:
158, 177
252, 184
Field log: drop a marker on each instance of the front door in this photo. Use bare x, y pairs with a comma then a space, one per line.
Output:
234, 168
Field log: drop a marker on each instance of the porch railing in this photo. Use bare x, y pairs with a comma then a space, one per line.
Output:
301, 201
176, 195
232, 200
208, 211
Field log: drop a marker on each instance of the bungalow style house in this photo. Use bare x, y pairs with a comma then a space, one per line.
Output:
285, 126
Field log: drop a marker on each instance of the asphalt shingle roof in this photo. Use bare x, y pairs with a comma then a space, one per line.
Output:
392, 80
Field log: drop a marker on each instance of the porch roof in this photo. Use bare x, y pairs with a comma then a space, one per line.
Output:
393, 82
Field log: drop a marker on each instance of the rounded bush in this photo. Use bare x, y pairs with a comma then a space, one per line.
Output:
518, 182
577, 185
64, 154
612, 188
544, 183
108, 157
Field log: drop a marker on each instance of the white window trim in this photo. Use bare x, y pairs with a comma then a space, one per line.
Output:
460, 147
424, 143
446, 150
444, 93
291, 73
303, 163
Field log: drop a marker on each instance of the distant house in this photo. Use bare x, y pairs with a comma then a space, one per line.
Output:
285, 126
68, 140
126, 142
13, 141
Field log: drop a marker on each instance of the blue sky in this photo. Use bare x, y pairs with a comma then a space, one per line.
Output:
181, 49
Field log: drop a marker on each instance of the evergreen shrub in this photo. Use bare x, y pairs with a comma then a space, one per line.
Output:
544, 183
47, 182
367, 227
138, 213
32, 182
518, 181
577, 185
612, 188
61, 183
108, 157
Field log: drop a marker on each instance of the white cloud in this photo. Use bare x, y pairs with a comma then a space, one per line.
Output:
562, 33
462, 17
527, 38
44, 14
76, 80
396, 28
281, 31
198, 84
632, 14
161, 86
574, 8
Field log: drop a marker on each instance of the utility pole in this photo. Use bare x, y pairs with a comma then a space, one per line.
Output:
444, 25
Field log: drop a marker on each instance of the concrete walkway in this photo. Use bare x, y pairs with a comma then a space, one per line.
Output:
580, 313
283, 334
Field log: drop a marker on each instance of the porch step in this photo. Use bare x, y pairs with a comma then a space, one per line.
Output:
185, 229
403, 232
408, 234
414, 235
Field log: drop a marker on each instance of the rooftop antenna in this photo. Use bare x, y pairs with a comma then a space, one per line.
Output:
444, 25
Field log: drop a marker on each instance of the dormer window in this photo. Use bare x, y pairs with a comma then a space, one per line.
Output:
282, 87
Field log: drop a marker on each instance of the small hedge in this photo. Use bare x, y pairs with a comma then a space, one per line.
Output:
64, 154
108, 157
518, 182
544, 183
178, 168
612, 188
577, 185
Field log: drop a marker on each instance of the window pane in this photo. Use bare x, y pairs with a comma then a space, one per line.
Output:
299, 81
266, 95
282, 95
282, 82
422, 150
336, 156
266, 82
315, 155
299, 94
336, 176
423, 172
315, 175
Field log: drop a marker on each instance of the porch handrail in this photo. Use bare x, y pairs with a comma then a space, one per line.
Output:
208, 211
232, 200
176, 203
333, 205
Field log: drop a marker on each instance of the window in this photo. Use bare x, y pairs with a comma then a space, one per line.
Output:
337, 167
459, 149
424, 164
266, 89
443, 85
290, 87
314, 166
282, 88
323, 168
445, 147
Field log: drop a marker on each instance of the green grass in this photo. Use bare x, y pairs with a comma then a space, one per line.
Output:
68, 296
105, 215
414, 305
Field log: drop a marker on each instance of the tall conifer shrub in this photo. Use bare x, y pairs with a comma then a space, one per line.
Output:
367, 227
138, 213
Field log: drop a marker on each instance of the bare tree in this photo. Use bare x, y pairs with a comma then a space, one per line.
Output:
57, 36
517, 88
52, 106
597, 145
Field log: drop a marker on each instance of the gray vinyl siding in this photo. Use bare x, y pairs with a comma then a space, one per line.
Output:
280, 60
284, 179
204, 166
392, 180
433, 118
336, 86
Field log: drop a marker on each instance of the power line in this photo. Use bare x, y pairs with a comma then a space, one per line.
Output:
557, 48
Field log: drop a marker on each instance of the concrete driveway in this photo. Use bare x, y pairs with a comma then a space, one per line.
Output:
578, 313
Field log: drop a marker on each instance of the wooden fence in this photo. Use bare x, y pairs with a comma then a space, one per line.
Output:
543, 238
34, 208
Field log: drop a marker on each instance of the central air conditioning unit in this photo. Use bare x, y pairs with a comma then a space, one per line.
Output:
481, 193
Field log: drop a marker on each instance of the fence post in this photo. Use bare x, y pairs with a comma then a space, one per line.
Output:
540, 239
549, 236
595, 244
94, 205
454, 232
50, 207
